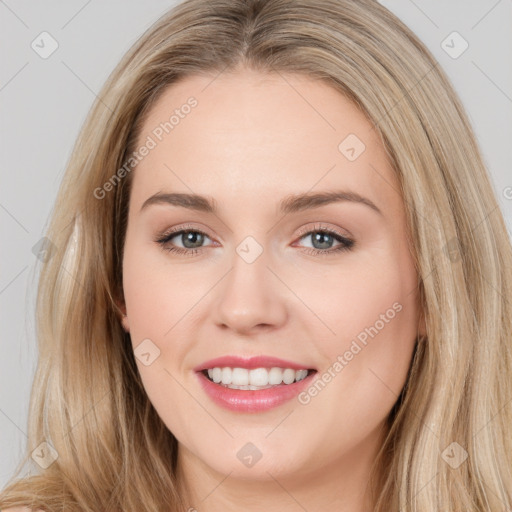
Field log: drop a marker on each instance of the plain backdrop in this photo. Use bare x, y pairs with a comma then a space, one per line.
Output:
44, 102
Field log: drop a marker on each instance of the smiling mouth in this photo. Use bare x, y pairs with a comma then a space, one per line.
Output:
255, 379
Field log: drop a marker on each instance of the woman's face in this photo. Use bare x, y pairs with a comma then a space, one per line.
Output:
325, 283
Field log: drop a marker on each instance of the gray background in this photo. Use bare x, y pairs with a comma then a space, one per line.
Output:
44, 102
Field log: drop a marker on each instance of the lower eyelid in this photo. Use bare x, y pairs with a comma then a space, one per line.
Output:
175, 234
343, 241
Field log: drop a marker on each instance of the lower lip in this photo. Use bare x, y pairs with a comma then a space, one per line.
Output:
252, 400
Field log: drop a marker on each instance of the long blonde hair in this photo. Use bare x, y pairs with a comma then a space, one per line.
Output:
88, 402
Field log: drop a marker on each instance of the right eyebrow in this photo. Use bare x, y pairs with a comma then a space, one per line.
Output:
190, 201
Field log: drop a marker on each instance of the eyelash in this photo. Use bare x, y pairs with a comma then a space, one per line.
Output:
346, 244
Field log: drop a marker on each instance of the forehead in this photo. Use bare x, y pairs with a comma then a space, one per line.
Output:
246, 136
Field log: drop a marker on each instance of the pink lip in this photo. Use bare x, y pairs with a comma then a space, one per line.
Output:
252, 401
250, 363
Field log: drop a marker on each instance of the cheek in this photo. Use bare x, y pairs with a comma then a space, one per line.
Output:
374, 315
156, 299
162, 305
369, 313
157, 295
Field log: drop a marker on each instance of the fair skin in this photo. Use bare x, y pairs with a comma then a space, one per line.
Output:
252, 141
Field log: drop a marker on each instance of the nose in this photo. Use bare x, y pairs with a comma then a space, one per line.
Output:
250, 297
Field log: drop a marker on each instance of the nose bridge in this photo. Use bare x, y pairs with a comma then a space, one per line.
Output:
250, 295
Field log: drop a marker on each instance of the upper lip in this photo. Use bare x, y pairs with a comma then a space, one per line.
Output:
250, 363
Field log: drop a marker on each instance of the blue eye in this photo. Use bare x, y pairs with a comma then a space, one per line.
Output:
187, 236
193, 239
325, 237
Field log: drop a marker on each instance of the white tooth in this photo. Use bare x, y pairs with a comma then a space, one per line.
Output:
288, 376
258, 377
301, 374
275, 376
217, 375
240, 376
226, 375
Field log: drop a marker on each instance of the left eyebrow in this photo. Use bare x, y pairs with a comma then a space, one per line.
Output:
301, 202
290, 204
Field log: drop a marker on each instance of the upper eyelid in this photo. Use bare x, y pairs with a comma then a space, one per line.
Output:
169, 234
319, 227
345, 243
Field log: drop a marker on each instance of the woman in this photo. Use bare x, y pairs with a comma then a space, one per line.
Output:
281, 278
